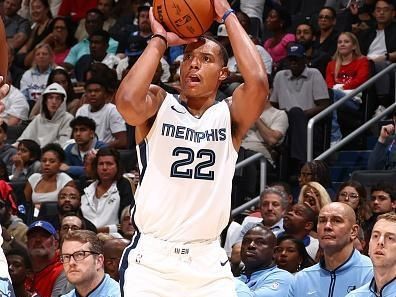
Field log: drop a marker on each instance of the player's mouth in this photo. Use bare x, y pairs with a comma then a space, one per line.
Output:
193, 79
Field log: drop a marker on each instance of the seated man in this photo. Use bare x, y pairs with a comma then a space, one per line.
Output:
112, 252
261, 274
85, 141
110, 126
17, 28
16, 108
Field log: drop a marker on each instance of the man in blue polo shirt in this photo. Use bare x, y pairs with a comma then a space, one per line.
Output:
342, 268
382, 250
261, 275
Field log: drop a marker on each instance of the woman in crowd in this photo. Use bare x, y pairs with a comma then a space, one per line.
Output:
277, 21
354, 194
290, 254
26, 160
41, 17
34, 80
318, 171
347, 71
45, 186
315, 196
104, 200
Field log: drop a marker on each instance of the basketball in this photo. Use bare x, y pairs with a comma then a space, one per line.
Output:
186, 18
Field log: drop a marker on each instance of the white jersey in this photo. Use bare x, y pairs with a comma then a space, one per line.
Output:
187, 165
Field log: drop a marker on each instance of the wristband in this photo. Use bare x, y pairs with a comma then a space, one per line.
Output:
160, 36
226, 14
112, 228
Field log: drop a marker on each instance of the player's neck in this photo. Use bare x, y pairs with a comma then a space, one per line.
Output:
383, 275
198, 105
334, 259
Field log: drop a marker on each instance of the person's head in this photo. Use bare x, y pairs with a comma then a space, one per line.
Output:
203, 68
285, 188
327, 18
291, 255
70, 222
7, 208
352, 193
273, 204
3, 132
127, 228
107, 165
19, 266
52, 156
316, 170
296, 61
69, 200
257, 248
278, 19
61, 28
305, 35
299, 220
347, 44
315, 196
244, 20
82, 258
94, 20
43, 56
83, 130
105, 6
98, 44
383, 198
384, 12
97, 93
29, 151
143, 18
112, 251
382, 246
11, 7
59, 75
54, 96
41, 241
337, 228
40, 10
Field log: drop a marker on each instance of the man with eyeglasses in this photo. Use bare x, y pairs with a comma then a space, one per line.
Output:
83, 262
70, 222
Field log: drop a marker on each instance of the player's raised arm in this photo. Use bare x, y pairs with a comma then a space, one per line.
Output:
249, 98
135, 99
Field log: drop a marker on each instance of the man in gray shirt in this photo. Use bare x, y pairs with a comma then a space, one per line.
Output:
17, 28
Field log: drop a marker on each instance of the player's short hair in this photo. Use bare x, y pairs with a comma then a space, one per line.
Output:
284, 201
83, 121
223, 52
390, 217
84, 236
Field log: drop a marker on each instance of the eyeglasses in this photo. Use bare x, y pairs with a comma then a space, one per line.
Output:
70, 227
325, 17
352, 196
77, 256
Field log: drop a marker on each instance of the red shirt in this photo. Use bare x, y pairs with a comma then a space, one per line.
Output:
351, 75
77, 9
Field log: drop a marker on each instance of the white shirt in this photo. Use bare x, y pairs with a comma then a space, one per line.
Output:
61, 180
15, 105
232, 237
377, 47
253, 8
108, 120
265, 56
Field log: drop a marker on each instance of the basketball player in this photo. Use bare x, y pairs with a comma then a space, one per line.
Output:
187, 149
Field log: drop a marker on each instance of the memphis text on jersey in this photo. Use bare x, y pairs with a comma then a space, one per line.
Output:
189, 134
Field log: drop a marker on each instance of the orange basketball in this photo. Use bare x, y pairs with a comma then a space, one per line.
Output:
186, 18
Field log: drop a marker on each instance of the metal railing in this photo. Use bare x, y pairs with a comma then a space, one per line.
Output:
337, 104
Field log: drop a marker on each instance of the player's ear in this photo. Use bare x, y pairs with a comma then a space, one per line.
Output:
224, 73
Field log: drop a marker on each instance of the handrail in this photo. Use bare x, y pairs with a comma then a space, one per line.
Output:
334, 106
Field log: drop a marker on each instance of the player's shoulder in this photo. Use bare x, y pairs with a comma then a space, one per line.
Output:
363, 291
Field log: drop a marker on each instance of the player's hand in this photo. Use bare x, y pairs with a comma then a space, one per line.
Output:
4, 88
386, 131
220, 6
172, 38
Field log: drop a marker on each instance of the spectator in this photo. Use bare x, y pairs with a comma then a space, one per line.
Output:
48, 277
302, 92
326, 40
383, 156
110, 126
291, 255
342, 268
41, 17
94, 22
86, 270
104, 200
85, 141
382, 253
98, 43
45, 186
315, 196
70, 222
16, 108
7, 151
277, 22
316, 170
26, 160
255, 11
261, 274
127, 228
112, 252
17, 28
52, 124
106, 7
76, 9
354, 194
315, 57
347, 71
34, 80
299, 221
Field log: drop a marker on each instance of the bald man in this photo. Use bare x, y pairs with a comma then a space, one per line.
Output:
261, 275
112, 251
342, 268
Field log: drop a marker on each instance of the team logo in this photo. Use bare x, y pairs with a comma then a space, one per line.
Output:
351, 288
274, 286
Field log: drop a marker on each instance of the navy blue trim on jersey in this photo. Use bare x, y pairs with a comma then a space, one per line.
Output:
183, 103
143, 158
124, 261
